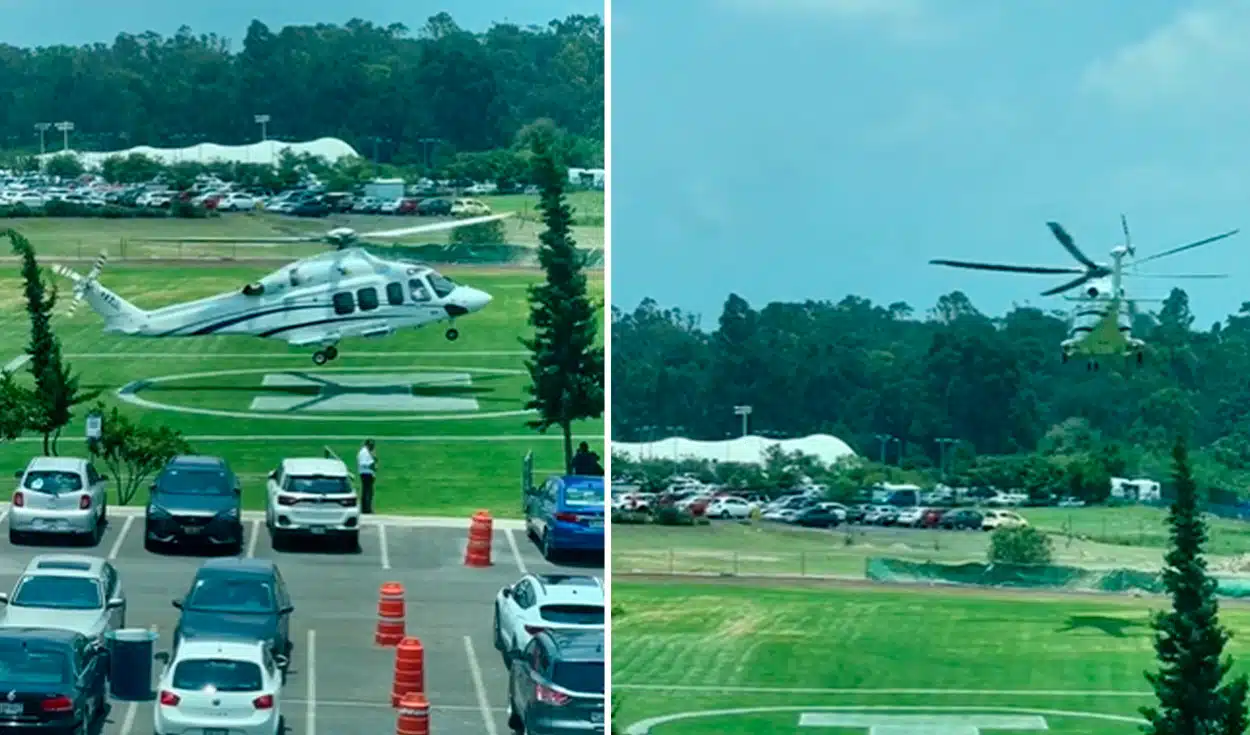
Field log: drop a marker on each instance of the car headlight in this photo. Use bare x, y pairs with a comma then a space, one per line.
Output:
156, 510
229, 513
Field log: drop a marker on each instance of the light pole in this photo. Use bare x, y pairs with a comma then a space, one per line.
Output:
263, 122
744, 412
43, 131
943, 442
425, 151
886, 440
65, 128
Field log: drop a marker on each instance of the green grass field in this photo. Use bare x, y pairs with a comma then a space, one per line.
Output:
86, 237
1134, 526
706, 647
433, 466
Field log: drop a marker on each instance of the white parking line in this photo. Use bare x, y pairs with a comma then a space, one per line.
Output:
386, 552
252, 539
121, 537
310, 716
475, 669
128, 723
3, 514
516, 552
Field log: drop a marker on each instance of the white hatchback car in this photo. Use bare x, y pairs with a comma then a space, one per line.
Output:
225, 686
546, 602
312, 497
59, 495
730, 506
994, 519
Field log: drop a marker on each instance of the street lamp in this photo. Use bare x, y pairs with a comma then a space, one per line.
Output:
744, 412
943, 442
65, 128
886, 440
425, 151
263, 122
43, 129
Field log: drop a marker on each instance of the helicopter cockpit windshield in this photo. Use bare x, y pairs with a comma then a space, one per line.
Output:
442, 285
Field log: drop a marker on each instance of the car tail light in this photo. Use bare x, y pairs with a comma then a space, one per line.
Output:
567, 517
534, 629
57, 704
169, 699
348, 502
263, 702
547, 695
286, 500
19, 500
84, 502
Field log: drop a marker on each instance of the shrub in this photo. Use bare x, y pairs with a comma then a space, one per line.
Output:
1023, 545
630, 517
669, 515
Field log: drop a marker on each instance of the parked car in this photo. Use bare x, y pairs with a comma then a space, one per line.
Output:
540, 602
556, 685
225, 686
236, 202
960, 520
68, 591
312, 207
730, 507
195, 499
909, 517
437, 207
932, 517
54, 680
469, 208
59, 495
1071, 502
566, 514
856, 513
313, 498
816, 517
238, 598
881, 515
995, 519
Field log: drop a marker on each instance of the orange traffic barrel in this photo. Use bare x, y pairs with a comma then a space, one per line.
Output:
414, 715
409, 670
481, 530
390, 629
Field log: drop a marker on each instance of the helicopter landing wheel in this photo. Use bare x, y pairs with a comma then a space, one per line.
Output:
453, 334
332, 353
320, 358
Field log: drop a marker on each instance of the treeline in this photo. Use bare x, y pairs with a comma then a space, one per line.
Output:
412, 98
892, 384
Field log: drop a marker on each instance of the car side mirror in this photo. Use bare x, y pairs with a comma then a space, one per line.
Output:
152, 488
177, 603
273, 474
286, 609
507, 592
116, 603
281, 661
4, 598
238, 491
18, 474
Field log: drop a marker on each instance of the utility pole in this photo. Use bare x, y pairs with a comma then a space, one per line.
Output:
744, 412
65, 128
43, 131
944, 442
886, 440
263, 122
427, 145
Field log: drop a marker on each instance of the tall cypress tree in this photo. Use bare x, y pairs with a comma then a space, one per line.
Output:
1189, 640
565, 366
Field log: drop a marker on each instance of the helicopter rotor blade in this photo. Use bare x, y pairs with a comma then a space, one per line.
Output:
1190, 246
258, 240
1088, 276
1068, 244
1046, 270
435, 227
1181, 276
1128, 239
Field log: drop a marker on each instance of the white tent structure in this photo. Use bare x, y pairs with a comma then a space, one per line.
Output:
266, 152
743, 450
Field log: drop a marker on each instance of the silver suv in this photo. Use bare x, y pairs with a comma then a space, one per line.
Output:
68, 591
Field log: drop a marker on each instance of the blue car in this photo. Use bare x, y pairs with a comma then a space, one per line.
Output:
566, 514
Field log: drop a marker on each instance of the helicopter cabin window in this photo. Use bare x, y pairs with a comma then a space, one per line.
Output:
367, 298
395, 294
419, 291
442, 285
344, 303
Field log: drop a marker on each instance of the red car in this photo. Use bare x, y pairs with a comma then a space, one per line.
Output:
931, 517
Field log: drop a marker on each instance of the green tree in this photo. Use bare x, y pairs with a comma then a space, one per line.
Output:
15, 403
133, 452
56, 386
487, 233
1022, 545
65, 165
1189, 640
566, 365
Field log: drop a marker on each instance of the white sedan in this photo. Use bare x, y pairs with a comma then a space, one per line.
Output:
730, 507
220, 688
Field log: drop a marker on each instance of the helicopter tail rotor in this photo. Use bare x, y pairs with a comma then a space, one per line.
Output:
81, 282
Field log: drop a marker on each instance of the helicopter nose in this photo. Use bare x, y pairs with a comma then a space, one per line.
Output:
478, 299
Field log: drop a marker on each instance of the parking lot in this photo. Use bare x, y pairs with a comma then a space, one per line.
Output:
340, 681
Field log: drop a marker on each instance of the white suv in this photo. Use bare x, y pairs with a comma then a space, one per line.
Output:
312, 497
1002, 519
546, 602
59, 495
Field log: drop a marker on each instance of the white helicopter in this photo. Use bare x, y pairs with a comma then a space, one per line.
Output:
316, 301
1101, 324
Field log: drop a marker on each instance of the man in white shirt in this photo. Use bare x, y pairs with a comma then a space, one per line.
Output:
366, 464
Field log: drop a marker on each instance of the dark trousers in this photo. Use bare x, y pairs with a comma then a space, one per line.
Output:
366, 493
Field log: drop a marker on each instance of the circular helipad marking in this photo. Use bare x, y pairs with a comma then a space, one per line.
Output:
644, 727
130, 394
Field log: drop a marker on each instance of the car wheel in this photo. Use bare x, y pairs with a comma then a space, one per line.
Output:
549, 551
514, 720
15, 538
353, 541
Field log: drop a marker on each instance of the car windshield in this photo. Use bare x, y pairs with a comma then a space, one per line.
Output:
318, 485
579, 676
22, 667
231, 595
442, 285
572, 614
52, 481
583, 495
218, 675
59, 593
194, 482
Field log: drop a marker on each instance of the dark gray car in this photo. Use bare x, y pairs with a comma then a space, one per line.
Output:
238, 598
556, 684
195, 500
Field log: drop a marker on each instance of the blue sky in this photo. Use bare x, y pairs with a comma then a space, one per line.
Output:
48, 22
807, 149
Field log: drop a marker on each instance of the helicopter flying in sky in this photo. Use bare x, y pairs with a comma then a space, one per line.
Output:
1101, 322
313, 302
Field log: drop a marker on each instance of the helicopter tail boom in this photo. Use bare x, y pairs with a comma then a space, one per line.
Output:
119, 314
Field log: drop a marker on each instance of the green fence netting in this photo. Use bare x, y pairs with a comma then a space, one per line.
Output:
881, 569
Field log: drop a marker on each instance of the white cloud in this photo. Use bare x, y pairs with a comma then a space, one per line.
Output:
1200, 57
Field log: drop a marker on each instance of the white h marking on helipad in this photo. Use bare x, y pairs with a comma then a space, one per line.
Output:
382, 392
877, 724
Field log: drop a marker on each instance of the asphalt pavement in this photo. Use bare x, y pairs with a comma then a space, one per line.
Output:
339, 681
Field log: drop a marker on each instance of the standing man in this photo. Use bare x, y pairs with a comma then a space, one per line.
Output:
366, 463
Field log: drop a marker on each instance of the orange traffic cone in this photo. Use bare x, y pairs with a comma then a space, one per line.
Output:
409, 670
390, 615
480, 532
414, 715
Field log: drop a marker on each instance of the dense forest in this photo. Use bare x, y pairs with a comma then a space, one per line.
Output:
384, 90
892, 383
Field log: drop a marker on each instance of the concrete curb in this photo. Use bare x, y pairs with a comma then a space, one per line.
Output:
505, 524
